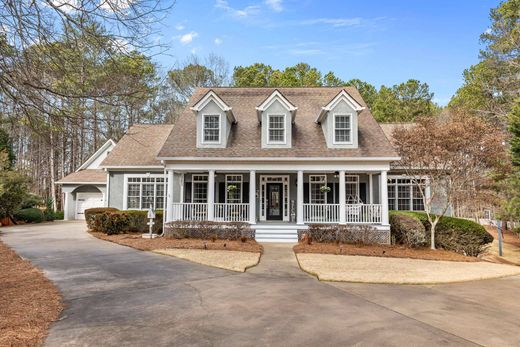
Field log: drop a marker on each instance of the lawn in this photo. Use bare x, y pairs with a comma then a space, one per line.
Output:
29, 302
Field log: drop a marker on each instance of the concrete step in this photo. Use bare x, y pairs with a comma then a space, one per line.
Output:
277, 235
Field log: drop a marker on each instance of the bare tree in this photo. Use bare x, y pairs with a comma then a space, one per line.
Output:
29, 30
452, 154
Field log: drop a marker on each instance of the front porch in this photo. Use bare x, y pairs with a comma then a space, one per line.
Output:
343, 197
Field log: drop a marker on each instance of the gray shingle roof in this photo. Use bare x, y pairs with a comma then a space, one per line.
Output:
139, 146
245, 140
85, 176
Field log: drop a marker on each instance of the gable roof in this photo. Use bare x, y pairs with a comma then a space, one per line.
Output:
96, 158
245, 138
90, 176
212, 96
342, 95
388, 129
276, 95
139, 147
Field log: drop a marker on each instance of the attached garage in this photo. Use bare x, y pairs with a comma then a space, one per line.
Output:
87, 200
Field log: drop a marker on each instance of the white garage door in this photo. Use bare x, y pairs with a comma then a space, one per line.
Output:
87, 200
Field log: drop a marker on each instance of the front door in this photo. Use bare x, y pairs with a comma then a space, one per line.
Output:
274, 201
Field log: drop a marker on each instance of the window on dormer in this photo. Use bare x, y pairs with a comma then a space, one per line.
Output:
342, 128
211, 128
276, 129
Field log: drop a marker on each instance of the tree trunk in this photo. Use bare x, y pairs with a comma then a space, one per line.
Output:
432, 234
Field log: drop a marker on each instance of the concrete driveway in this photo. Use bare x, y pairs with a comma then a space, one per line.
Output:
117, 296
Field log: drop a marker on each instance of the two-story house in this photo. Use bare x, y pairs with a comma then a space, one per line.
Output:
278, 159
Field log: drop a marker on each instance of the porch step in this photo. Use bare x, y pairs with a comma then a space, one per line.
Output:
274, 233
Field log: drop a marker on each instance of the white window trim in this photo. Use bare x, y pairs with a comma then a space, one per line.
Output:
334, 115
324, 182
193, 188
236, 183
412, 186
268, 141
125, 190
202, 140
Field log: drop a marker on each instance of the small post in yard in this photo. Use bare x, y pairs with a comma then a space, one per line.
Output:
151, 217
499, 229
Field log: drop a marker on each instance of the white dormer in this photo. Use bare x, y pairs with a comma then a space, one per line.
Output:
276, 115
339, 121
214, 121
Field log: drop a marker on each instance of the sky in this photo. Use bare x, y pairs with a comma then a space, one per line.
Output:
381, 42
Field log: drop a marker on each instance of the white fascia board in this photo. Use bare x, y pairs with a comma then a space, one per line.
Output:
276, 95
106, 146
286, 159
343, 95
130, 167
96, 183
212, 96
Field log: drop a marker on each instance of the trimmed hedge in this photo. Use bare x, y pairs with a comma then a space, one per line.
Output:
407, 230
327, 233
120, 222
455, 234
209, 230
90, 213
29, 215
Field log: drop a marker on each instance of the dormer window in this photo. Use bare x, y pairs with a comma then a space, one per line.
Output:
211, 128
342, 128
276, 129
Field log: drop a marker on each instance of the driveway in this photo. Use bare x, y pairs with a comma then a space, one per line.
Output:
117, 296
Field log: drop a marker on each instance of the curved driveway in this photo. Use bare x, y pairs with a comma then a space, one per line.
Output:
118, 296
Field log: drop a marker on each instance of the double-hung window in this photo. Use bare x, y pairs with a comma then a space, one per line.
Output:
211, 128
199, 188
405, 195
276, 129
141, 192
233, 189
317, 194
342, 128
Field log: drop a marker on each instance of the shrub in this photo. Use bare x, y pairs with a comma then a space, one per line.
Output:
456, 234
32, 200
112, 223
119, 222
208, 230
58, 215
328, 233
91, 212
407, 230
29, 215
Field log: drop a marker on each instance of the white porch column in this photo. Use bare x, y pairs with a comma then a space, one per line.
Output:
169, 197
342, 199
211, 195
252, 197
67, 206
370, 189
299, 198
384, 198
181, 183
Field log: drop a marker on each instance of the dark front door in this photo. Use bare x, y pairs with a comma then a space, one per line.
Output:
274, 201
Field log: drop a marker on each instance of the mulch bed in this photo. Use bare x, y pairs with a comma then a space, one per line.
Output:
29, 302
136, 241
508, 236
393, 251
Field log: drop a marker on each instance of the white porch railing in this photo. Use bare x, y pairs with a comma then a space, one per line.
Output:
190, 211
320, 213
232, 212
363, 213
354, 213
